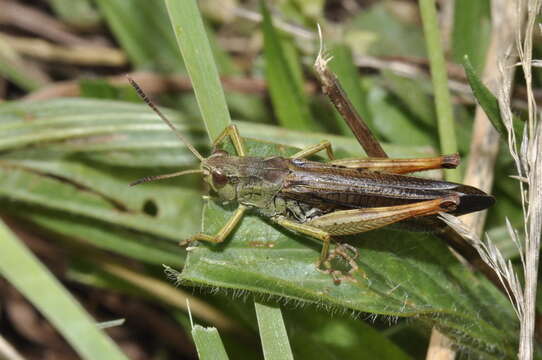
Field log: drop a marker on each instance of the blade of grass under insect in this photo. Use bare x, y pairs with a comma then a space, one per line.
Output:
392, 278
443, 103
286, 93
21, 268
198, 58
273, 334
208, 343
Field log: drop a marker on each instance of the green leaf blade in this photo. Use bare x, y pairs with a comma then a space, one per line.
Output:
485, 98
198, 58
21, 268
273, 334
208, 343
400, 274
471, 31
288, 100
439, 77
150, 46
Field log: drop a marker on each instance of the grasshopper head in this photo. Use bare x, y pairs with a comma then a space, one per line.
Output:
221, 174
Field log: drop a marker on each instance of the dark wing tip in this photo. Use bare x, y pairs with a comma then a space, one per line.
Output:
472, 199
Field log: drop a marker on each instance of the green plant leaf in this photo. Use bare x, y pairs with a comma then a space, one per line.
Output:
192, 41
143, 247
388, 118
208, 343
366, 35
471, 31
275, 343
22, 269
400, 274
140, 28
289, 102
14, 68
109, 200
439, 77
489, 102
485, 98
131, 135
415, 95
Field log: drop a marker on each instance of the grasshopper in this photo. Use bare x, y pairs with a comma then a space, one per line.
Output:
324, 199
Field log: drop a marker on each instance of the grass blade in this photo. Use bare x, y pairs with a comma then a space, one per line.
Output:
21, 268
485, 97
439, 77
471, 28
208, 343
15, 69
150, 46
198, 58
288, 100
273, 334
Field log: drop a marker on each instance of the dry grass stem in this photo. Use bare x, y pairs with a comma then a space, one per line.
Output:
485, 139
87, 55
441, 347
38, 22
289, 28
493, 257
8, 351
153, 83
528, 162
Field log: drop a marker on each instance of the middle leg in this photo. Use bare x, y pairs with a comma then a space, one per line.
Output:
313, 149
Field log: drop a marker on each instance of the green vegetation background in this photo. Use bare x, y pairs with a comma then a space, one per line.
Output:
65, 165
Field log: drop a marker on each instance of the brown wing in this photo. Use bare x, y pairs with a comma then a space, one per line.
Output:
331, 187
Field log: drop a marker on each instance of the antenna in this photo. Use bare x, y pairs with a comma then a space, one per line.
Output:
147, 101
147, 179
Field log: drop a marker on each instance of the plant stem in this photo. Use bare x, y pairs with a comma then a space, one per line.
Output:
533, 216
439, 77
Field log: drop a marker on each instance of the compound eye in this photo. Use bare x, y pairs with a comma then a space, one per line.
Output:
219, 180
